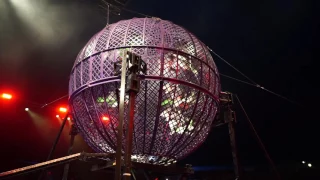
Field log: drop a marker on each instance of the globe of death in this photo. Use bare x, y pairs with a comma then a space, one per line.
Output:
178, 97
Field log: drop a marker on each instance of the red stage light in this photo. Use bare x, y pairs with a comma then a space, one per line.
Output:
6, 96
105, 118
63, 109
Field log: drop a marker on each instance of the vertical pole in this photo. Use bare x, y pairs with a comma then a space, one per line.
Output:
231, 126
73, 133
108, 14
128, 151
121, 115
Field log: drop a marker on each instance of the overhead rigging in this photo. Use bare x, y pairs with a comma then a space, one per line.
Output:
251, 82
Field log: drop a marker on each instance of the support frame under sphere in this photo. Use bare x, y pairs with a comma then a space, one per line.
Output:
179, 94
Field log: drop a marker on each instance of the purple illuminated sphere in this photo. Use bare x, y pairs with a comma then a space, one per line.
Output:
178, 98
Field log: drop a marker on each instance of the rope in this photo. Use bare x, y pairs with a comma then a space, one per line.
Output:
259, 139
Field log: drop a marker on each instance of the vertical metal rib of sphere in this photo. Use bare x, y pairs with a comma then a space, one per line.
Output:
177, 101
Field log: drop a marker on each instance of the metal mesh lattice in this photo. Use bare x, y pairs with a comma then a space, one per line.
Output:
178, 97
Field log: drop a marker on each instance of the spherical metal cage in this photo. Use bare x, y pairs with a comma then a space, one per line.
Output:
178, 96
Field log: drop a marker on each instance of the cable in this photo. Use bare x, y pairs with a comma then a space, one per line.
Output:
253, 83
54, 101
263, 88
120, 2
259, 139
231, 65
281, 96
135, 12
125, 9
237, 80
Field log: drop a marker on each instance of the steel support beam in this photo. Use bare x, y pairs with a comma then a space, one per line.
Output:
73, 133
231, 127
55, 142
127, 160
121, 116
228, 117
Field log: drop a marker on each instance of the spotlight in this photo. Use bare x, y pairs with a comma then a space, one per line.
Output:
303, 162
57, 116
69, 118
26, 109
6, 96
105, 118
63, 109
309, 165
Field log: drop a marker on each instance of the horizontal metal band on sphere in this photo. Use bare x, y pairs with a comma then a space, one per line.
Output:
143, 77
92, 69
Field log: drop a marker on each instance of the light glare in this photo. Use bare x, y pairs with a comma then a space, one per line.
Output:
303, 162
105, 118
6, 96
57, 116
62, 109
309, 165
26, 109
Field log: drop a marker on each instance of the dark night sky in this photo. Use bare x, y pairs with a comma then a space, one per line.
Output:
273, 42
